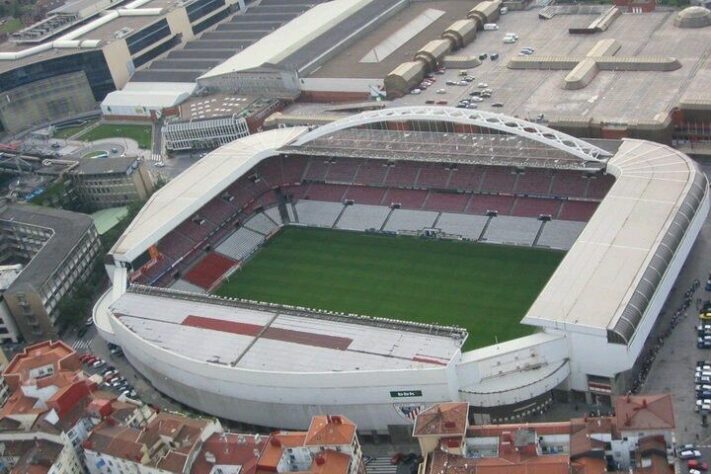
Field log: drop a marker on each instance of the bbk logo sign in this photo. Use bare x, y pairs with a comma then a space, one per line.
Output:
405, 393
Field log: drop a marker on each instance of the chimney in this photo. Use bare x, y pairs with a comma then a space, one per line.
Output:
336, 420
644, 403
275, 442
320, 461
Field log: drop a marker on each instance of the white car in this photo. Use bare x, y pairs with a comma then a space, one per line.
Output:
160, 164
441, 91
482, 85
416, 91
476, 99
689, 454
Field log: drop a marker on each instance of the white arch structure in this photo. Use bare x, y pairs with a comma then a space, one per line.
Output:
478, 118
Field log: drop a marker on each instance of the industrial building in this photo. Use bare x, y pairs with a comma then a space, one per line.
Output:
586, 345
56, 249
68, 63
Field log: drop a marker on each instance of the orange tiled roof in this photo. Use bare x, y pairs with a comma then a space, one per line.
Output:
277, 442
230, 449
331, 463
447, 419
330, 430
644, 412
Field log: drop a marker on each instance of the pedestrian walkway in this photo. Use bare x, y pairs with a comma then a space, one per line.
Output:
82, 345
380, 466
156, 157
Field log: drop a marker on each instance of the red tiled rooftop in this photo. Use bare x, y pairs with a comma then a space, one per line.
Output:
644, 412
271, 454
448, 419
331, 462
229, 449
56, 353
330, 430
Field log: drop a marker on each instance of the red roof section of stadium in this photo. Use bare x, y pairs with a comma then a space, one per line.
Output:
277, 334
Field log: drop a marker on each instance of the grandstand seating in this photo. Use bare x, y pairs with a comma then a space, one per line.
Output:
568, 184
175, 245
274, 215
292, 169
415, 186
580, 211
241, 244
326, 192
365, 194
560, 234
150, 273
410, 220
402, 174
316, 169
407, 198
535, 207
512, 230
498, 180
261, 223
466, 177
342, 171
363, 217
318, 213
433, 176
447, 202
466, 226
533, 181
371, 173
217, 211
480, 204
599, 186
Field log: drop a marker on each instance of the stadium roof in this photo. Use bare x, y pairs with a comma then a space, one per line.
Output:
605, 281
274, 339
289, 38
193, 188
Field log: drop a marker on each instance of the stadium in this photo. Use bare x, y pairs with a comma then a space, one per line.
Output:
398, 258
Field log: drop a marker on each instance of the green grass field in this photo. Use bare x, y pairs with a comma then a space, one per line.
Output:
69, 131
12, 25
484, 288
141, 133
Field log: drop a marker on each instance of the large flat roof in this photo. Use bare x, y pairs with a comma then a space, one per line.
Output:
265, 339
197, 185
288, 39
594, 284
347, 64
613, 96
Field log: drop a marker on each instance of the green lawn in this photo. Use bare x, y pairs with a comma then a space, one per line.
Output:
69, 131
12, 25
484, 288
140, 133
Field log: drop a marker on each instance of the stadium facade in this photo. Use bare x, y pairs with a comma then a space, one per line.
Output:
277, 365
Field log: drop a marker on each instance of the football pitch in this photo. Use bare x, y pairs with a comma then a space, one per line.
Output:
486, 289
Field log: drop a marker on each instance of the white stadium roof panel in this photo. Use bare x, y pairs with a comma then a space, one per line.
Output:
596, 280
264, 338
196, 186
289, 38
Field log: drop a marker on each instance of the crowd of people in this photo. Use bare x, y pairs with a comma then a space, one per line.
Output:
651, 353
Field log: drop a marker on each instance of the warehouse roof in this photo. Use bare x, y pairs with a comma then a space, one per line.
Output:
150, 95
607, 278
289, 38
193, 188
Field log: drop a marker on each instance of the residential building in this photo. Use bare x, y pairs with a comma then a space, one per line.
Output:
637, 439
52, 409
330, 446
168, 443
57, 249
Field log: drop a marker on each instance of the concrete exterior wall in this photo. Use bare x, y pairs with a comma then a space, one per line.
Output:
180, 24
48, 99
30, 315
119, 62
288, 400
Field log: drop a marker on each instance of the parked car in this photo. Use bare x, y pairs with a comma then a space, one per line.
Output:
442, 102
689, 454
483, 56
90, 360
84, 357
497, 104
98, 363
451, 83
159, 164
477, 99
441, 91
416, 91
429, 102
699, 465
494, 56
129, 393
482, 85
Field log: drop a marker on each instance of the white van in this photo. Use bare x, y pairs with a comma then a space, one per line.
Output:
490, 27
504, 10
